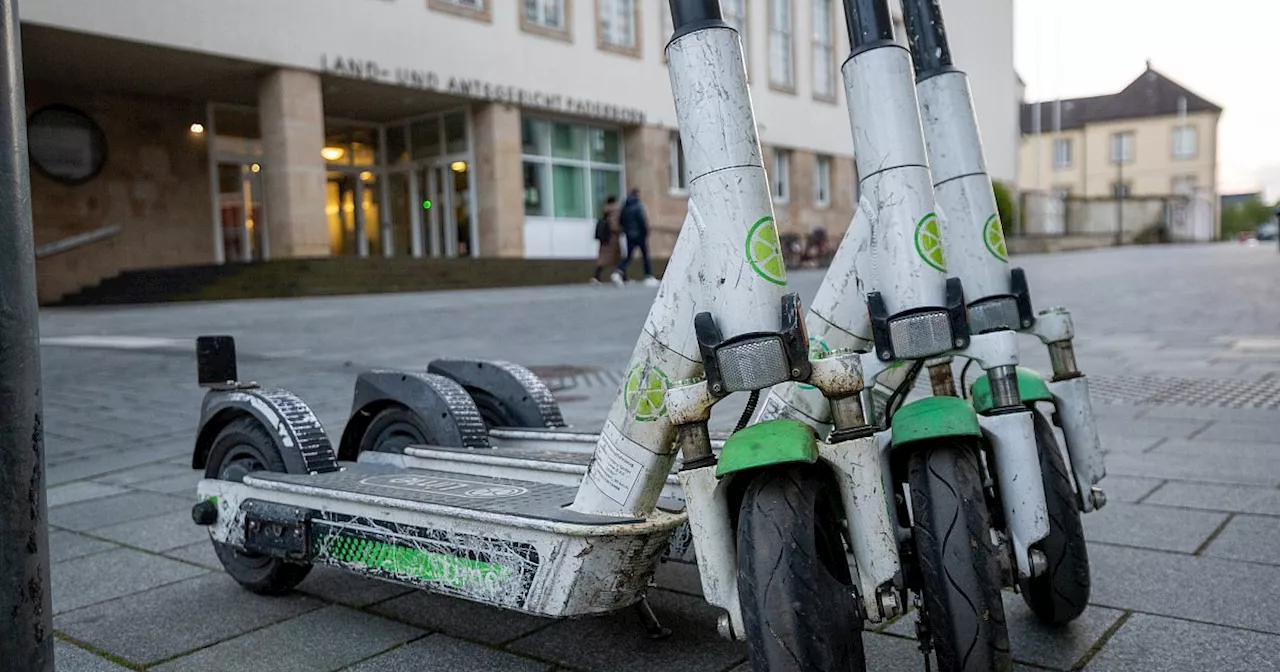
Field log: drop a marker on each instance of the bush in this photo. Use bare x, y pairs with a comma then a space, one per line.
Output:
1006, 209
1245, 217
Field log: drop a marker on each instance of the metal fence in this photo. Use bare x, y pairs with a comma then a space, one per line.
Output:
1137, 218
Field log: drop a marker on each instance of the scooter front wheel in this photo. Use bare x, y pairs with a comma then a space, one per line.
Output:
241, 448
958, 568
799, 605
1061, 593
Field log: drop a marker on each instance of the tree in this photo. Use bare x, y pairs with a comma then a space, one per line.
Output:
1245, 216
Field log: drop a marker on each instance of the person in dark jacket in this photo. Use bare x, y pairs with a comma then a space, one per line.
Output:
635, 226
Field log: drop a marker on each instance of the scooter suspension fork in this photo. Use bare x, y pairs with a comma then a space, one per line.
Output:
1070, 391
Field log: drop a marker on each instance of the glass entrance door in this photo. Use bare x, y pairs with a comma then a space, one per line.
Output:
240, 207
446, 208
352, 202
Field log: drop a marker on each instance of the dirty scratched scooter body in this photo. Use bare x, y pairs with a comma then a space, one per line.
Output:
766, 513
1052, 568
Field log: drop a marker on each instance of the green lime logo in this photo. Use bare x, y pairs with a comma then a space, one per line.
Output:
929, 242
993, 236
817, 348
645, 392
764, 252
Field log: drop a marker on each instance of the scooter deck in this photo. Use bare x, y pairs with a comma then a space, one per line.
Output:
468, 494
500, 541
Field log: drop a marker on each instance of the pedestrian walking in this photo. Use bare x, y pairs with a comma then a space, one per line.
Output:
608, 227
635, 225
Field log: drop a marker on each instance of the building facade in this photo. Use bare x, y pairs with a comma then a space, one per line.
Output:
1155, 138
181, 132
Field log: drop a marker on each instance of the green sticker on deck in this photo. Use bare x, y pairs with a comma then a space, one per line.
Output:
765, 253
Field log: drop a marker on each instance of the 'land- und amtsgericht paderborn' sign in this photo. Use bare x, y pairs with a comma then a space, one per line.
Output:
355, 68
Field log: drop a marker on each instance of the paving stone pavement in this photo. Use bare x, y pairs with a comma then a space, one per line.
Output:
1186, 558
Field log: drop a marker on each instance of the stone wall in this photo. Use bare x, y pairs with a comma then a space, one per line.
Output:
155, 186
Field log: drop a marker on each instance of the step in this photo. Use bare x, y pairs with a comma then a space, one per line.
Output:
464, 496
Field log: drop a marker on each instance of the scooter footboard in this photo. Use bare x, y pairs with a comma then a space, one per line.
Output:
538, 566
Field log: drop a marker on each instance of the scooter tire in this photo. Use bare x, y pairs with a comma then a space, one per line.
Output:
799, 605
1061, 594
392, 429
958, 568
242, 447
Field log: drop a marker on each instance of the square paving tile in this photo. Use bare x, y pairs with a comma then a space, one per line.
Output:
1200, 588
458, 617
1235, 450
443, 653
150, 472
1155, 527
1128, 489
695, 645
79, 491
111, 510
334, 585
1240, 431
104, 576
1239, 498
1125, 428
681, 577
178, 484
1032, 642
157, 533
1205, 468
64, 545
325, 639
71, 658
1252, 538
200, 553
171, 620
1155, 644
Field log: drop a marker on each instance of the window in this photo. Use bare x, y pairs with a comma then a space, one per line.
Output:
780, 184
1184, 142
679, 176
618, 25
1122, 147
822, 181
734, 13
824, 52
1120, 190
548, 17
475, 9
569, 169
1185, 185
1062, 153
781, 66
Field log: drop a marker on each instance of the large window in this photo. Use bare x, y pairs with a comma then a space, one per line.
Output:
824, 51
780, 180
822, 181
679, 177
618, 25
547, 15
781, 58
569, 169
1122, 147
1062, 149
1184, 142
476, 9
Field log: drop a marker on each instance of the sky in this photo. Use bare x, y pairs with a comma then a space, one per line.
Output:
1227, 51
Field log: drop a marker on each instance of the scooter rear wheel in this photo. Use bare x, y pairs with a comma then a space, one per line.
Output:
1060, 594
393, 429
243, 447
956, 559
799, 605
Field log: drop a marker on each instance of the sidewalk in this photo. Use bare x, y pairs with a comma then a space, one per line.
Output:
1186, 556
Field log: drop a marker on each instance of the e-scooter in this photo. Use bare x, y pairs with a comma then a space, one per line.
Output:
767, 514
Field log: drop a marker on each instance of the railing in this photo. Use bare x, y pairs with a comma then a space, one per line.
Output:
79, 240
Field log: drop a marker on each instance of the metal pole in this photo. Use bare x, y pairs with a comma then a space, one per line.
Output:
26, 637
1120, 195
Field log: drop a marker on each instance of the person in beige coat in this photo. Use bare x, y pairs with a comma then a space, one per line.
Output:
608, 228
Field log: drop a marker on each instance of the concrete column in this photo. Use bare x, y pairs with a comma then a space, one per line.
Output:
499, 180
291, 114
